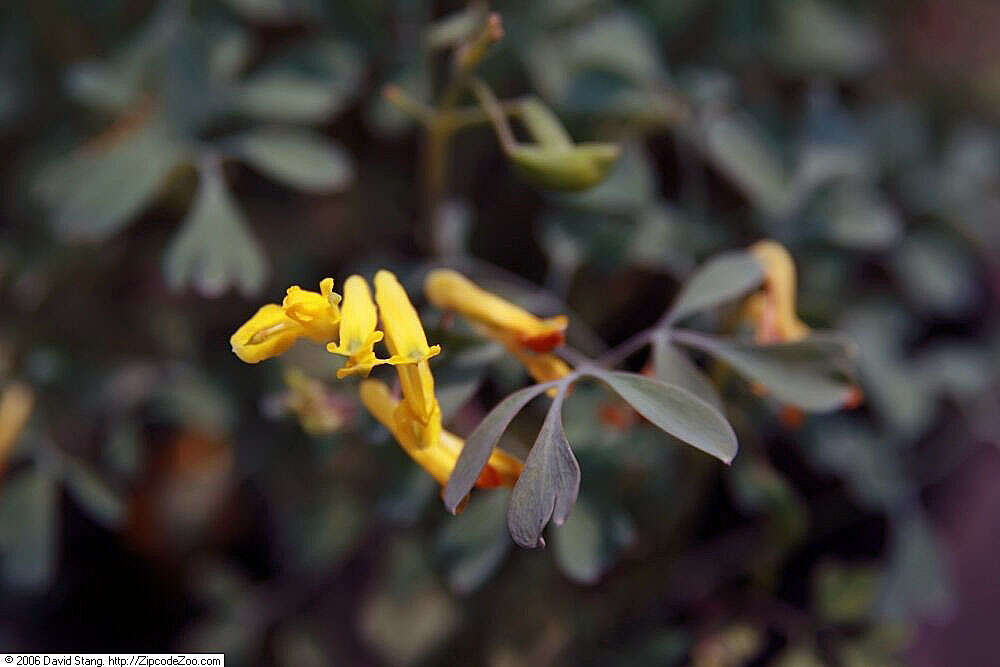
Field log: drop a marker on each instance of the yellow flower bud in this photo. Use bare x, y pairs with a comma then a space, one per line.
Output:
450, 290
772, 310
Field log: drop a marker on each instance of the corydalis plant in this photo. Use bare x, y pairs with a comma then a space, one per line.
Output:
811, 372
168, 92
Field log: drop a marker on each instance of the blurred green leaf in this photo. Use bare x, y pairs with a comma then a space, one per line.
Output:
100, 86
297, 158
94, 495
629, 186
810, 373
458, 381
548, 485
916, 581
676, 411
214, 250
326, 529
588, 544
309, 84
275, 11
28, 526
286, 97
844, 593
473, 544
721, 279
406, 614
741, 151
675, 367
852, 450
936, 273
452, 29
480, 443
860, 218
96, 190
818, 37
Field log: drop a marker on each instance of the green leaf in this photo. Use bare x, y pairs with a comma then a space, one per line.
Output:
474, 543
286, 97
297, 158
860, 218
214, 250
676, 411
816, 37
808, 373
306, 85
275, 11
480, 443
94, 192
721, 279
588, 544
94, 495
456, 27
548, 485
937, 273
100, 86
739, 148
457, 380
675, 367
916, 581
28, 528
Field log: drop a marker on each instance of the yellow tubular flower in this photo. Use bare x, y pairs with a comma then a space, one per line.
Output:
542, 367
773, 309
358, 333
316, 312
267, 334
439, 459
450, 290
273, 328
407, 343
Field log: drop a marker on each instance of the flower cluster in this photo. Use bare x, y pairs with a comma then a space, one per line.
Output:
348, 325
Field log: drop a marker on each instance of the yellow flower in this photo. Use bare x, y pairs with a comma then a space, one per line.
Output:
273, 328
267, 334
439, 458
316, 313
407, 343
542, 367
450, 290
772, 310
358, 333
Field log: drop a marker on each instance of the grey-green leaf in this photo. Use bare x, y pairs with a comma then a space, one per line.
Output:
93, 193
474, 543
215, 250
286, 97
675, 410
94, 495
721, 279
297, 158
548, 485
28, 528
810, 373
480, 444
675, 367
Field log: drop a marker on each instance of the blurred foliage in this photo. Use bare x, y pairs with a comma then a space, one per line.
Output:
165, 154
